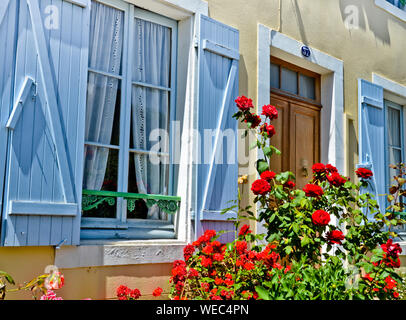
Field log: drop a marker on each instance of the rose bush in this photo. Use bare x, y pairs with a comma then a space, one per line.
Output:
327, 241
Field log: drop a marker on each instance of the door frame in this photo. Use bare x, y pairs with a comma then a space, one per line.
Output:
332, 133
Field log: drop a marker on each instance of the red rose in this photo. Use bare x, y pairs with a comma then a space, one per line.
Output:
260, 187
270, 111
268, 175
243, 103
254, 119
364, 173
245, 229
320, 218
249, 266
218, 257
390, 283
313, 190
206, 262
336, 179
193, 273
391, 249
335, 236
135, 294
368, 277
319, 168
270, 130
122, 292
241, 247
331, 169
188, 252
396, 294
289, 184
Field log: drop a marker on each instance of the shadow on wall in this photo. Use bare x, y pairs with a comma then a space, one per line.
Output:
364, 14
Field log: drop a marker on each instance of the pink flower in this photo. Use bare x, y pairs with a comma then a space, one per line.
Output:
50, 295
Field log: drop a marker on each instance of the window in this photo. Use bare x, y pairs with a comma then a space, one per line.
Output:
394, 141
293, 80
127, 177
401, 4
396, 8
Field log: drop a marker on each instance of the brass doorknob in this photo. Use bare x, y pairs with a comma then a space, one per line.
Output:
304, 164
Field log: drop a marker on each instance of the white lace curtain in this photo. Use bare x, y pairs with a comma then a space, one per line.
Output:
150, 107
105, 52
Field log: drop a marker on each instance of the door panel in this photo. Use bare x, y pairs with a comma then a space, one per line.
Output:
304, 142
281, 139
297, 137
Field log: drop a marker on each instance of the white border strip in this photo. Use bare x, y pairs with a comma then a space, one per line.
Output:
389, 85
393, 10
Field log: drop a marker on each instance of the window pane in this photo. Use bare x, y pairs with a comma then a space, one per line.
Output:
395, 157
100, 169
289, 80
152, 53
307, 87
149, 119
103, 109
274, 76
106, 38
100, 173
148, 174
394, 130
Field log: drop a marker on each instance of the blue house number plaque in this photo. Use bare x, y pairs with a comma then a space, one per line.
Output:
306, 51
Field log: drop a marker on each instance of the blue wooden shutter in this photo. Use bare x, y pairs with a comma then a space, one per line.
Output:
218, 57
46, 124
371, 120
8, 13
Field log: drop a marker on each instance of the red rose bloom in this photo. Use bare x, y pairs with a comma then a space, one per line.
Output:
243, 103
391, 249
206, 262
335, 236
249, 265
320, 218
319, 168
188, 252
364, 173
331, 169
270, 130
313, 190
241, 247
260, 187
254, 119
245, 229
218, 257
270, 112
289, 184
390, 283
268, 175
193, 273
336, 179
122, 292
135, 294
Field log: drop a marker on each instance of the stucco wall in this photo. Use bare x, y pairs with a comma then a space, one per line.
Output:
376, 44
26, 263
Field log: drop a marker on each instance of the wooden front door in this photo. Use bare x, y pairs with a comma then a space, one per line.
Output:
298, 124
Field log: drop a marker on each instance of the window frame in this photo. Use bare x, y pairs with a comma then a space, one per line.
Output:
392, 9
299, 71
131, 12
390, 104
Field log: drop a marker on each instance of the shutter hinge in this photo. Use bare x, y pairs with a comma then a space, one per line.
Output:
196, 42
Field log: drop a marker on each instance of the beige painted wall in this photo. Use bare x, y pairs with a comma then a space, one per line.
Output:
26, 263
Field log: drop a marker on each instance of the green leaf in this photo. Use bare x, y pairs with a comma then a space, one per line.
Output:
262, 293
262, 165
268, 151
